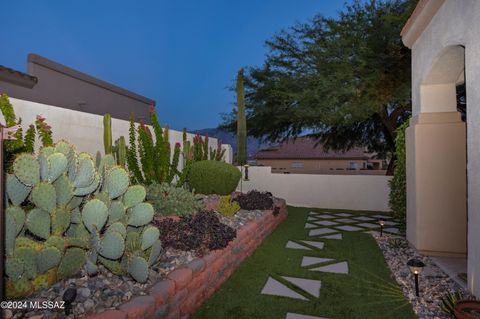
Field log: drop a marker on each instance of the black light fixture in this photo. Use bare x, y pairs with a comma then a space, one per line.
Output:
382, 223
416, 267
246, 171
69, 297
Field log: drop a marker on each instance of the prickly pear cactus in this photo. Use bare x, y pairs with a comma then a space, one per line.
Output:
65, 211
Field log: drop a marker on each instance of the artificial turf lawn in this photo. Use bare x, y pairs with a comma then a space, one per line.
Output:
366, 292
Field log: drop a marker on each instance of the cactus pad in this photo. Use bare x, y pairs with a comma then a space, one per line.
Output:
155, 252
27, 169
17, 192
114, 266
134, 196
116, 182
47, 258
119, 228
85, 173
10, 233
44, 196
38, 223
60, 221
149, 235
57, 165
57, 242
72, 262
18, 215
112, 245
13, 268
138, 269
63, 190
140, 214
28, 257
116, 212
94, 215
82, 191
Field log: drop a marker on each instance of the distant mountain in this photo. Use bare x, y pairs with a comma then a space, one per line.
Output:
253, 144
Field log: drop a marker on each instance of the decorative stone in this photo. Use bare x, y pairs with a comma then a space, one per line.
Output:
334, 236
382, 216
294, 245
344, 215
321, 231
364, 218
309, 285
392, 230
369, 225
276, 288
308, 225
326, 216
291, 315
316, 244
345, 220
312, 218
349, 228
308, 260
338, 268
326, 223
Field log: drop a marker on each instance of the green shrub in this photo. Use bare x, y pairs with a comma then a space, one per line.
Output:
170, 200
398, 184
227, 207
214, 177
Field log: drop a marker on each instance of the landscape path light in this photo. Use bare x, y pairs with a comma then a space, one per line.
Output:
416, 267
246, 172
382, 223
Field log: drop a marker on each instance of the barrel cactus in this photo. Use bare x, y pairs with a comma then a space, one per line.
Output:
63, 213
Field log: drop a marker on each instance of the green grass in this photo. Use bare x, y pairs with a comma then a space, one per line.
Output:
366, 292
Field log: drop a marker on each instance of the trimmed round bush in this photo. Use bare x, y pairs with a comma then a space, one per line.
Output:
214, 177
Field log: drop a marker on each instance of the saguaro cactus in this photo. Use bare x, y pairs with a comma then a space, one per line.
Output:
241, 121
107, 133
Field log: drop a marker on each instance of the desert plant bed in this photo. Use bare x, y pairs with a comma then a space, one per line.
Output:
200, 271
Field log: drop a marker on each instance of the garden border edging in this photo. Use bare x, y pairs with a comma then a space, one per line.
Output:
187, 287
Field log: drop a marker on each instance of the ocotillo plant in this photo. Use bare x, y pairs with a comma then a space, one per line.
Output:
241, 121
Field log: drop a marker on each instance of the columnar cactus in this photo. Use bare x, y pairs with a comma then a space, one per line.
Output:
73, 213
241, 121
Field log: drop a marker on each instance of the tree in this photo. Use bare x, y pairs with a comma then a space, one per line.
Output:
344, 80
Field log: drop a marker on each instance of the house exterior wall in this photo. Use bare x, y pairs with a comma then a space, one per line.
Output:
320, 166
356, 192
67, 88
456, 23
85, 130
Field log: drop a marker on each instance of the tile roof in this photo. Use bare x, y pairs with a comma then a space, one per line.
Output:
304, 148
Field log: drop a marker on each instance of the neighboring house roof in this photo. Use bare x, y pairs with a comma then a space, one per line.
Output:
304, 148
17, 77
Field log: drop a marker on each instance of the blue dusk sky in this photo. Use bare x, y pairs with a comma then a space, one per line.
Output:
183, 54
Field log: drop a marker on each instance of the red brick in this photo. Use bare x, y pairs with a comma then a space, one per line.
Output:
173, 314
162, 291
109, 314
139, 307
181, 276
188, 306
196, 265
179, 297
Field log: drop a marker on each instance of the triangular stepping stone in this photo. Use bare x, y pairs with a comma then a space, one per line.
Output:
349, 228
364, 218
334, 236
314, 213
308, 261
316, 244
309, 285
311, 219
345, 220
291, 315
338, 268
369, 225
276, 288
325, 216
308, 225
382, 216
344, 215
325, 223
321, 231
392, 230
388, 222
294, 245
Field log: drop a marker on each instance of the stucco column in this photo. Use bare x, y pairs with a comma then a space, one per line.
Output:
437, 184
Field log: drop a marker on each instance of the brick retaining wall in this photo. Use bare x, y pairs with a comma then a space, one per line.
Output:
187, 287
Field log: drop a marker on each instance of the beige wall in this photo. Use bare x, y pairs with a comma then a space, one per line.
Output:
85, 130
325, 191
316, 166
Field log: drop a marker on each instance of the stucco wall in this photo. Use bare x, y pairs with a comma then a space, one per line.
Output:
358, 192
85, 130
457, 23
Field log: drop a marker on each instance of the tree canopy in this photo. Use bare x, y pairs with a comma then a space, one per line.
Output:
344, 80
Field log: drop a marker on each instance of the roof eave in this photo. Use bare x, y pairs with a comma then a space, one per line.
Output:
419, 20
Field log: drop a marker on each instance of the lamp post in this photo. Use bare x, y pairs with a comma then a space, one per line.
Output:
382, 223
416, 267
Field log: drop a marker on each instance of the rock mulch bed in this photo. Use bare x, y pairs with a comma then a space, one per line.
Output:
96, 294
433, 282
